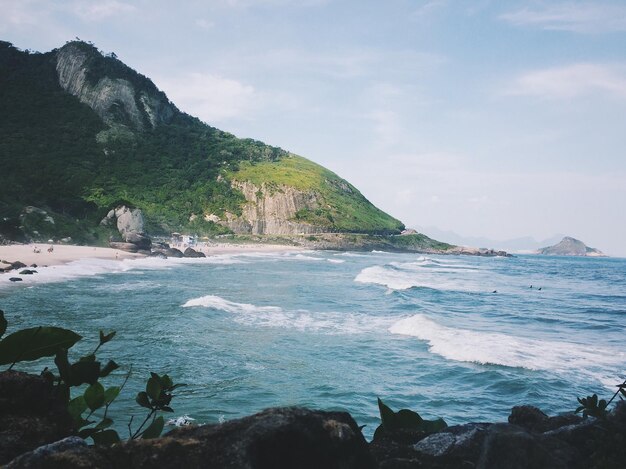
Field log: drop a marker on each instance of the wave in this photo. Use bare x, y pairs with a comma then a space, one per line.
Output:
96, 267
507, 350
403, 277
274, 316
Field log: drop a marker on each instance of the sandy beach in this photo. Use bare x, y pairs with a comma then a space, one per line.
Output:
62, 254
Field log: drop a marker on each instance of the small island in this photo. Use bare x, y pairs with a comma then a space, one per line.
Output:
571, 247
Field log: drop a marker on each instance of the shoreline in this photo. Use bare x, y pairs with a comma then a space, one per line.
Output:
64, 254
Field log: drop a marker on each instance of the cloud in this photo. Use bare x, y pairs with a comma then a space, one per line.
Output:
587, 17
572, 81
205, 24
210, 97
97, 11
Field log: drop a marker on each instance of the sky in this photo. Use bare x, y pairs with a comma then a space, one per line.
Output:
496, 119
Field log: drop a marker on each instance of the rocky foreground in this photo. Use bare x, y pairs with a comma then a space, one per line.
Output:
36, 432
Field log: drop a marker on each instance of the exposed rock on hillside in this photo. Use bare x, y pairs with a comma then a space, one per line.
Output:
129, 222
115, 100
272, 210
571, 247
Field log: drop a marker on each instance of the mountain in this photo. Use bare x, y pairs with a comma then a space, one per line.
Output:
521, 244
81, 134
571, 247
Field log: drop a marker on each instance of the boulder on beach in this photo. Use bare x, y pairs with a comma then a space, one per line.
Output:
128, 247
190, 252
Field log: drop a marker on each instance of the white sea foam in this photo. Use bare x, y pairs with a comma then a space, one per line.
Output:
503, 349
303, 320
336, 261
403, 277
96, 267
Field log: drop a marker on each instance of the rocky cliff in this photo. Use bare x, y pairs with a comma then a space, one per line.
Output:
271, 210
570, 247
115, 99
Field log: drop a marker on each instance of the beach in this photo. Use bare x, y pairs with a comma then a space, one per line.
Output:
40, 255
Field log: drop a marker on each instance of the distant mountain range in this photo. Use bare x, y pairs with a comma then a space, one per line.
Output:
525, 244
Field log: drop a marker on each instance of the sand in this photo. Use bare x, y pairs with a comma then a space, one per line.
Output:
62, 254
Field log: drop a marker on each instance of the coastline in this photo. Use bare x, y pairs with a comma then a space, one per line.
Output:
64, 254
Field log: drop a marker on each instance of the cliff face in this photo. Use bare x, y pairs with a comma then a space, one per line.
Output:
115, 100
272, 210
571, 247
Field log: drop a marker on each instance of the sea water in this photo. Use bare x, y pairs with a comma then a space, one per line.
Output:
459, 337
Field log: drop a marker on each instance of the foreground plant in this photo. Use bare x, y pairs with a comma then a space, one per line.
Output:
395, 425
591, 406
89, 410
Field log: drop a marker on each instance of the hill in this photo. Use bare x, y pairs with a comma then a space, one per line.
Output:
571, 247
82, 133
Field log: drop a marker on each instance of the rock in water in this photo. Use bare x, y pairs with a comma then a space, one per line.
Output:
571, 247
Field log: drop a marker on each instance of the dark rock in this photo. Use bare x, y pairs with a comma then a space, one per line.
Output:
281, 438
173, 252
531, 440
190, 252
534, 420
529, 417
28, 272
140, 240
15, 279
34, 266
157, 254
128, 247
46, 454
18, 265
32, 414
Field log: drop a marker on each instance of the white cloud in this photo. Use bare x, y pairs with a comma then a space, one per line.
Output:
205, 24
101, 10
572, 81
210, 97
587, 17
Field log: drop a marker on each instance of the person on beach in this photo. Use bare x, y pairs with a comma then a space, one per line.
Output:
51, 248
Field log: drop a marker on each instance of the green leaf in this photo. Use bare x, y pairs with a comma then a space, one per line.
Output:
84, 372
63, 365
76, 407
94, 396
111, 394
106, 437
104, 338
88, 358
154, 429
34, 343
86, 432
406, 418
104, 423
108, 368
142, 399
153, 388
433, 426
167, 409
386, 415
3, 323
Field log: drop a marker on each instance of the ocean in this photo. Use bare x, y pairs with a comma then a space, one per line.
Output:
458, 337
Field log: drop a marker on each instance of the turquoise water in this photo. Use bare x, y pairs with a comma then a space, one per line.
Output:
337, 330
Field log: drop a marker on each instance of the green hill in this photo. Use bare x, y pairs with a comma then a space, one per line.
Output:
81, 133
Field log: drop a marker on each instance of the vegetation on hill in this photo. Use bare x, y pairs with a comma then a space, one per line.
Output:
342, 207
56, 153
